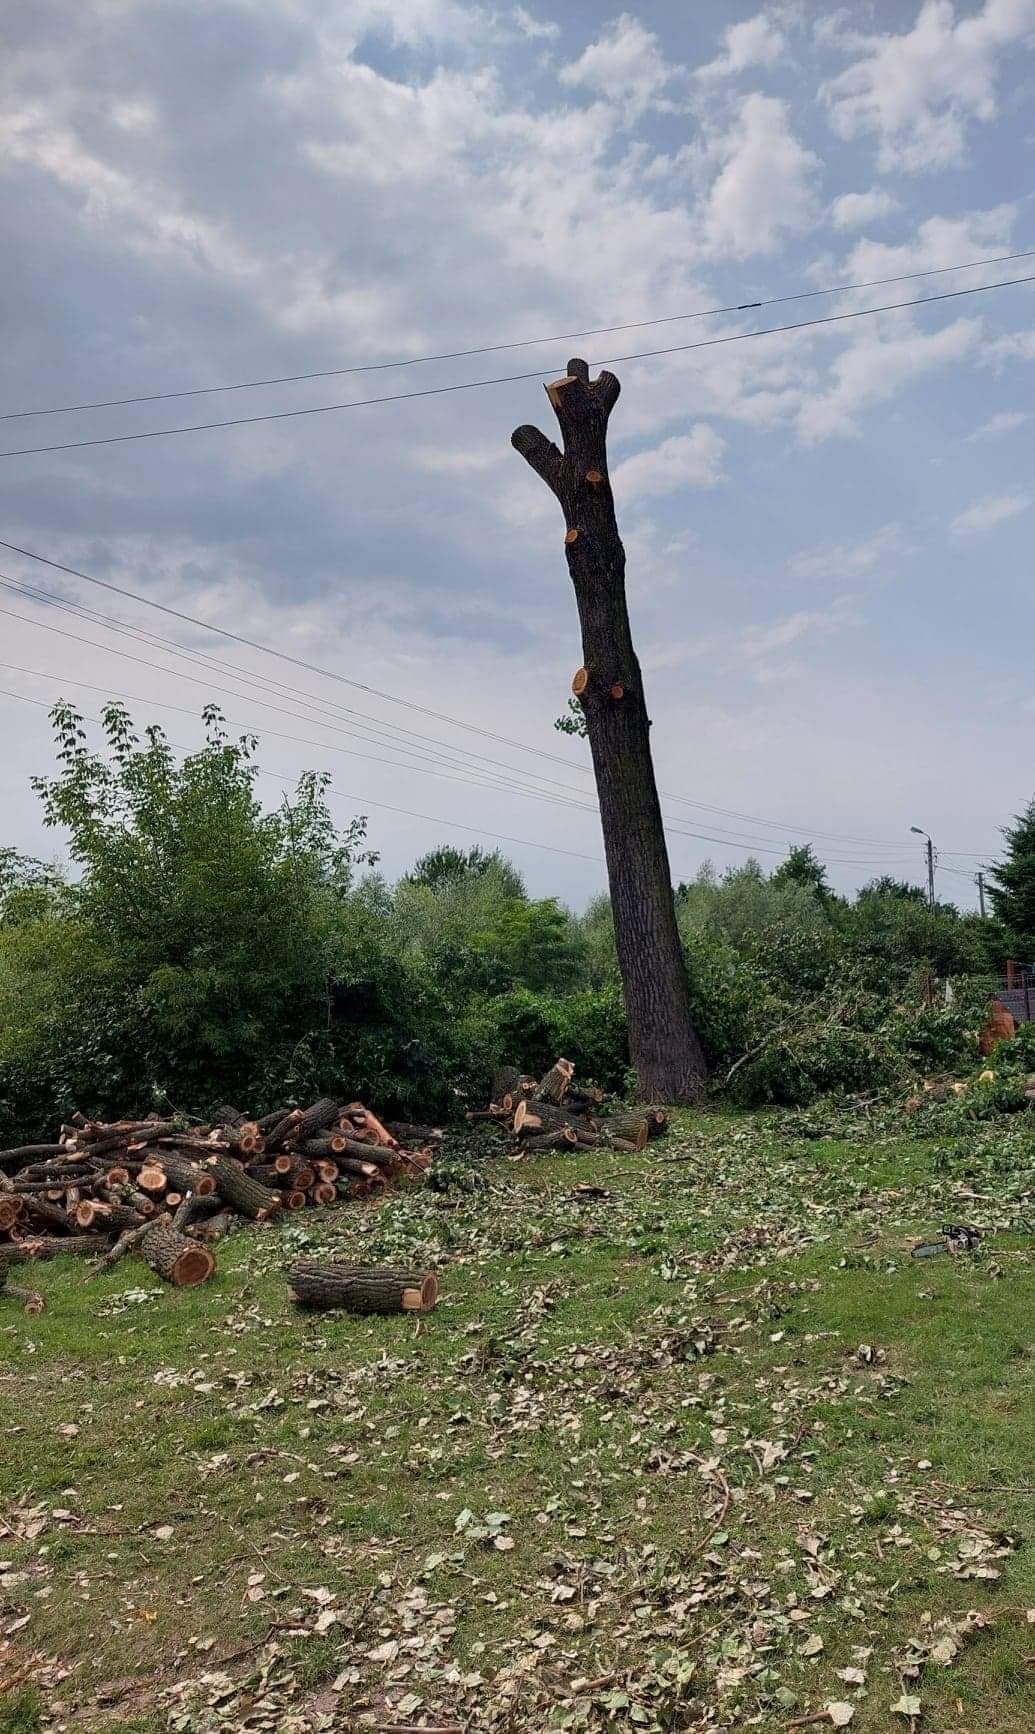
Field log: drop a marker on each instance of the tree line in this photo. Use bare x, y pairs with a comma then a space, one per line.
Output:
203, 946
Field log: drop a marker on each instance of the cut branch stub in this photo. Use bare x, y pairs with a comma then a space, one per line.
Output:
579, 681
617, 690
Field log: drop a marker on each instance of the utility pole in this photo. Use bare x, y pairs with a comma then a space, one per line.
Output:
930, 863
663, 1044
981, 894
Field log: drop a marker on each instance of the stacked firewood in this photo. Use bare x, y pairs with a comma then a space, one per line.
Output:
553, 1113
168, 1190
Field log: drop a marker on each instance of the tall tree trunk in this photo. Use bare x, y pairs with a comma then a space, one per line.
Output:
664, 1045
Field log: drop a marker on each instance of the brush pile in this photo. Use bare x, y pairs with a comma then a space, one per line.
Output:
552, 1113
168, 1189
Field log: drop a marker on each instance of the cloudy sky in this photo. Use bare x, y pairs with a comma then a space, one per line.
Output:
828, 531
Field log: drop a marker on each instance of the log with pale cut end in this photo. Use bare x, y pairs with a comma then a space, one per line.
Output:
174, 1258
153, 1179
295, 1199
245, 1195
564, 1138
533, 1117
327, 1172
357, 1170
54, 1246
326, 1145
554, 1087
11, 1208
358, 1289
657, 1122
244, 1140
90, 1214
30, 1298
184, 1175
324, 1193
358, 1116
627, 1129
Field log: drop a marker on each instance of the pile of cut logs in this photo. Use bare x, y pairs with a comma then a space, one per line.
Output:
168, 1190
552, 1113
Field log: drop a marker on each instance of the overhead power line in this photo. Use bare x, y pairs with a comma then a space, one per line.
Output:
510, 378
365, 800
515, 343
676, 831
454, 722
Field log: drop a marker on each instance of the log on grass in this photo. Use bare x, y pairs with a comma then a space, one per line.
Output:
657, 1122
554, 1087
55, 1246
564, 1138
30, 1298
534, 1117
174, 1257
627, 1129
358, 1289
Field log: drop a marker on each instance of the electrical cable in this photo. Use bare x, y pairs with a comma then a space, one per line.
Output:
509, 378
515, 343
311, 668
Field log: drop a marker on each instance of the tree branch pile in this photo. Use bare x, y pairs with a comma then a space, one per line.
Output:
167, 1190
553, 1113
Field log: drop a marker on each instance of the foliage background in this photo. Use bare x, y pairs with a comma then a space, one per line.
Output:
205, 948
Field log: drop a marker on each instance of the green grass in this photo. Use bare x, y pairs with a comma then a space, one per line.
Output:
660, 1394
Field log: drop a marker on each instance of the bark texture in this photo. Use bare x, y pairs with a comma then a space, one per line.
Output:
663, 1043
356, 1289
175, 1258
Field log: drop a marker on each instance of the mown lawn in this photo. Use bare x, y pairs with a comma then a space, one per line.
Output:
689, 1442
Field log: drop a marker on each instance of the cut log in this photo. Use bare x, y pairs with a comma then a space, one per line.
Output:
285, 1128
356, 1289
657, 1122
54, 1246
226, 1116
44, 1210
564, 1138
186, 1176
554, 1087
318, 1118
328, 1144
24, 1153
368, 1122
180, 1261
324, 1193
90, 1214
244, 1140
295, 1199
628, 1129
408, 1133
153, 1179
350, 1167
247, 1196
547, 1116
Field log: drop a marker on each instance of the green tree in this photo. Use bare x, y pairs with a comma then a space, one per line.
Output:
1012, 882
802, 867
446, 864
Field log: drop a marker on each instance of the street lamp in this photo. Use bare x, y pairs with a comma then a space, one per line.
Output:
930, 862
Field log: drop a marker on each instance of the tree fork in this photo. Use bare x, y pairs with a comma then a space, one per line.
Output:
663, 1043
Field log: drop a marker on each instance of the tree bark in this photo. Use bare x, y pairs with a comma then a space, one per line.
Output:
362, 1290
175, 1258
247, 1196
665, 1048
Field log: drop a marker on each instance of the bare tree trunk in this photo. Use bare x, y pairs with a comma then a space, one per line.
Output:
664, 1045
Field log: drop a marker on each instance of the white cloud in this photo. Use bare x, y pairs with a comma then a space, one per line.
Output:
534, 28
625, 65
690, 460
763, 190
984, 514
1015, 346
877, 365
1006, 421
753, 42
855, 210
765, 648
848, 559
917, 91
